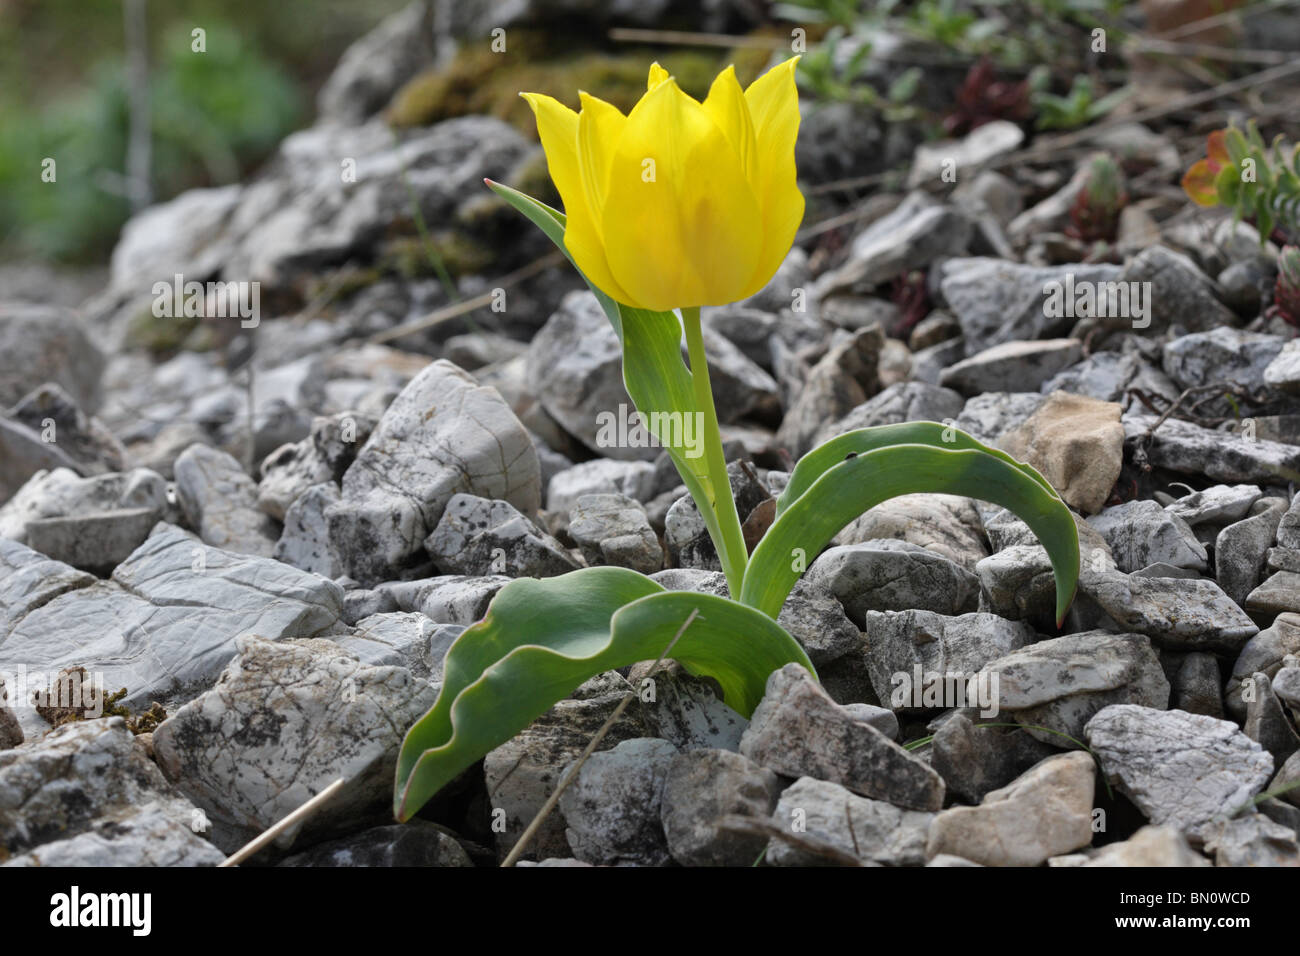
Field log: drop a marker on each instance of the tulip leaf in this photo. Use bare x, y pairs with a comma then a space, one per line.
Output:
825, 456
656, 378
541, 638
834, 494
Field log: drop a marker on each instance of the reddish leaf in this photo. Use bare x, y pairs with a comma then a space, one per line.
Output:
1198, 183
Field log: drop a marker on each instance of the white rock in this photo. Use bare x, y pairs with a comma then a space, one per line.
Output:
1045, 812
284, 722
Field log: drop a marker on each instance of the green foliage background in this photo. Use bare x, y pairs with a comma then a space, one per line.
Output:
216, 115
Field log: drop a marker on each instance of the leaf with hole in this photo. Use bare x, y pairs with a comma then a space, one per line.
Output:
838, 481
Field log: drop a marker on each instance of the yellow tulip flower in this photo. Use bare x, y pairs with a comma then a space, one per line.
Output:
679, 204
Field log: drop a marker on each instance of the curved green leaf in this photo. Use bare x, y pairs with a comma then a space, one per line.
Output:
829, 454
842, 492
654, 374
540, 639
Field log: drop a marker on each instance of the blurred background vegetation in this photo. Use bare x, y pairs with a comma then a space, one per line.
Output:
926, 68
215, 117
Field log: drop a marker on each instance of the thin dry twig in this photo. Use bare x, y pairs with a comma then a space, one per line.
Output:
690, 38
1208, 393
447, 313
302, 813
522, 844
1065, 141
1195, 26
1207, 51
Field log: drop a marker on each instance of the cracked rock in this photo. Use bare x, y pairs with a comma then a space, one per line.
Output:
797, 730
443, 434
890, 575
614, 529
86, 794
1141, 533
974, 760
948, 525
167, 620
1044, 812
479, 536
220, 502
900, 642
284, 721
876, 832
612, 807
703, 787
1061, 683
1184, 770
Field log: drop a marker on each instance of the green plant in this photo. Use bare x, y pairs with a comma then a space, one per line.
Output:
1077, 108
212, 116
1286, 291
952, 26
541, 638
1255, 181
1094, 215
845, 13
820, 74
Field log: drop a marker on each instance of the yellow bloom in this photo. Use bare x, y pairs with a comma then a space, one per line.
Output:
679, 203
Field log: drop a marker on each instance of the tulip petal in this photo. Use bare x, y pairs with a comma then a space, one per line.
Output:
773, 102
682, 226
657, 75
726, 105
557, 125
600, 126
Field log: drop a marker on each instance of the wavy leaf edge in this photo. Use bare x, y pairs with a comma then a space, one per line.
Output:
449, 710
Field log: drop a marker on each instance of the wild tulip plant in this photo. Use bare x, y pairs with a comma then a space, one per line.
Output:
678, 205
1254, 180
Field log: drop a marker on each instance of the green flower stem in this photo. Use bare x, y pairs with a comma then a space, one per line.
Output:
731, 549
